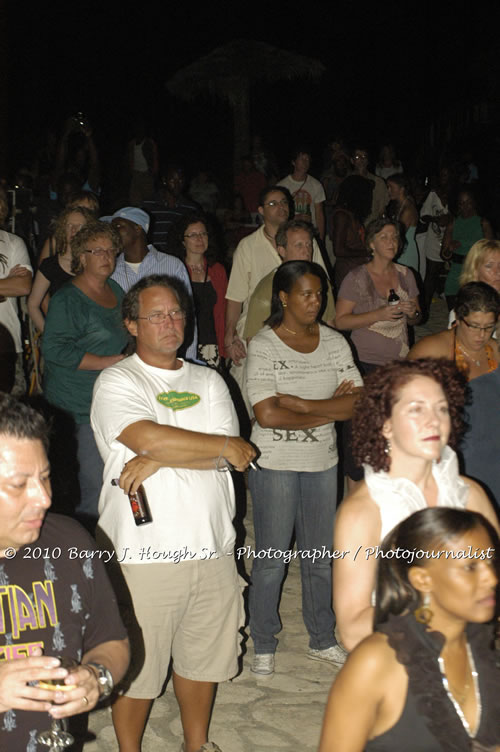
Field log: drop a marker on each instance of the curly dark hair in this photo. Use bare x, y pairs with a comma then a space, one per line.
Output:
380, 393
92, 230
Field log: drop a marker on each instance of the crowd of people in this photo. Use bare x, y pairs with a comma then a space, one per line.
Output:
182, 349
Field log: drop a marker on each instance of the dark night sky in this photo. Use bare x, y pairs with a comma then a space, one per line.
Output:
388, 72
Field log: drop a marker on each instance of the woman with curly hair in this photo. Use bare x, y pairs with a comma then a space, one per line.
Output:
192, 244
83, 334
406, 425
428, 678
55, 270
470, 344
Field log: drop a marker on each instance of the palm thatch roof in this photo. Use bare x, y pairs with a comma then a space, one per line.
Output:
227, 70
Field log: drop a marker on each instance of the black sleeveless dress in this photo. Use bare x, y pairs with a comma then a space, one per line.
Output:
429, 722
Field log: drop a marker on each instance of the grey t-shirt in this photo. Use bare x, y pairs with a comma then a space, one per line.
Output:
274, 367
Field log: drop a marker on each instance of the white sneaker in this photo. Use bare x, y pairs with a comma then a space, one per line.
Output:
336, 655
263, 664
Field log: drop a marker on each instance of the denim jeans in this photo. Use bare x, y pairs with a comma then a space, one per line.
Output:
89, 475
283, 500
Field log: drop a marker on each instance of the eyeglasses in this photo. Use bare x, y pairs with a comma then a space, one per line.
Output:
101, 251
275, 202
160, 318
488, 329
197, 235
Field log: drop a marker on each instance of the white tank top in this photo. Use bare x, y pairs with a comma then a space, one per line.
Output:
398, 498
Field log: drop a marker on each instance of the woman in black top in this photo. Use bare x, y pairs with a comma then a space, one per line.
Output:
427, 679
55, 270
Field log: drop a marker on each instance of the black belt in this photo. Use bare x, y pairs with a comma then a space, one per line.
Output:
457, 258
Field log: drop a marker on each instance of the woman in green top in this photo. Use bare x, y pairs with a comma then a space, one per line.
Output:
84, 334
461, 234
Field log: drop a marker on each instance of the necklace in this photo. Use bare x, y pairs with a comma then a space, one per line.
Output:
477, 362
310, 329
460, 698
269, 237
197, 268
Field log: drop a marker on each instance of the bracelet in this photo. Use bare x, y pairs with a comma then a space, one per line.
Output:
221, 457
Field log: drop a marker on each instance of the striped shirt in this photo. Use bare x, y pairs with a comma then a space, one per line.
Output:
164, 217
155, 262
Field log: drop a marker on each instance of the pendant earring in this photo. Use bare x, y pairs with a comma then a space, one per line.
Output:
423, 614
388, 447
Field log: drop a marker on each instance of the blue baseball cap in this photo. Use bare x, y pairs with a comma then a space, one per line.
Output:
133, 214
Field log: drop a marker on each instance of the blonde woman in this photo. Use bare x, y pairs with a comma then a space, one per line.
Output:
55, 270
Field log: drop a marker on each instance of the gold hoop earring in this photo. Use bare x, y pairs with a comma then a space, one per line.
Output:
423, 614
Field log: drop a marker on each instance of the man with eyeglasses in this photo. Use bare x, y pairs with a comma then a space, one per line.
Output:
139, 259
170, 425
255, 257
295, 243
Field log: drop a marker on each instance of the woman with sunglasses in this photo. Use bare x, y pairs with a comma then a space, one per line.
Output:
471, 345
84, 334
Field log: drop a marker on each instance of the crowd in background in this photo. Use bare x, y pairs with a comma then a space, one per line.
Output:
304, 293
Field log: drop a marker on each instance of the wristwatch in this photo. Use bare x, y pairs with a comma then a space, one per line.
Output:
104, 679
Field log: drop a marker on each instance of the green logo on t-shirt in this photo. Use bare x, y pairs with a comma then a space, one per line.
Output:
178, 400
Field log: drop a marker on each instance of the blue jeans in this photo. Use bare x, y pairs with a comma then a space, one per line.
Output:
89, 475
283, 500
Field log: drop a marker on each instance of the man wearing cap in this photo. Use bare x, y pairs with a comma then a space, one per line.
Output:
139, 259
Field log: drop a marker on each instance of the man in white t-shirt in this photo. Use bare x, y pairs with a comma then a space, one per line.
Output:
308, 194
171, 426
16, 275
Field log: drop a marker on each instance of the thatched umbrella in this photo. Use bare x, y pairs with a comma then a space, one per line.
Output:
227, 73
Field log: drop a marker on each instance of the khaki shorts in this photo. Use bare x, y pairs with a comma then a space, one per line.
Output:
190, 612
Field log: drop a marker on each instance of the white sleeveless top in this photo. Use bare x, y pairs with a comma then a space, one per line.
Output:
398, 498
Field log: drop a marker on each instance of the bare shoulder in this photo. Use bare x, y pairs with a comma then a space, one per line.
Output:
358, 506
358, 521
434, 346
496, 349
373, 659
